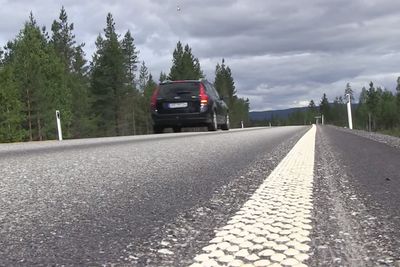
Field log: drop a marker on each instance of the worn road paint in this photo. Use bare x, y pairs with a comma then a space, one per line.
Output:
273, 226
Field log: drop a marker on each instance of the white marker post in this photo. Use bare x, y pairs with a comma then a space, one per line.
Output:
349, 111
58, 117
241, 122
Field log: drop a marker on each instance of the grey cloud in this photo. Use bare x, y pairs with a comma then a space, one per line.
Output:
282, 53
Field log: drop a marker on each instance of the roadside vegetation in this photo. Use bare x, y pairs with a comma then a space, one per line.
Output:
41, 72
378, 110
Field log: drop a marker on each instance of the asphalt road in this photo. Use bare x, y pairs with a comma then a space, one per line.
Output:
162, 200
356, 200
122, 200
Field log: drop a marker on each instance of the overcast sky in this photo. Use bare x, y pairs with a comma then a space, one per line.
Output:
282, 53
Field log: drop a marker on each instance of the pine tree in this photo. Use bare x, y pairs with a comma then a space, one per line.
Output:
143, 76
312, 112
349, 91
131, 57
163, 77
40, 79
147, 93
72, 56
324, 107
224, 83
312, 106
184, 65
338, 113
11, 113
108, 81
361, 112
372, 102
79, 80
63, 39
387, 109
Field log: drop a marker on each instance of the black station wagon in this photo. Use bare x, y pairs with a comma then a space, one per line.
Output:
188, 103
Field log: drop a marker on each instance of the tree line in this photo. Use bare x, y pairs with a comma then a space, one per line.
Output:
41, 72
378, 109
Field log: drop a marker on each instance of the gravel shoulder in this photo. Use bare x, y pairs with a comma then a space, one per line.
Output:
378, 137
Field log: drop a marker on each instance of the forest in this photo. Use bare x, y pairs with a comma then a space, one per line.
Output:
43, 71
377, 109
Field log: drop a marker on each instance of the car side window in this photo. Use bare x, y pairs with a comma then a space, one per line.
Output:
215, 92
210, 90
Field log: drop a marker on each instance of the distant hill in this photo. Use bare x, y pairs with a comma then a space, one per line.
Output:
281, 114
277, 114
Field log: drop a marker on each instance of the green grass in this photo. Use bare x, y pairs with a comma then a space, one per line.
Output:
392, 132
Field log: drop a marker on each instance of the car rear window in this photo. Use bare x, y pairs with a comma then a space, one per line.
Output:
181, 88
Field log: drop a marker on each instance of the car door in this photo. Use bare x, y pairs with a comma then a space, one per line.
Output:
219, 103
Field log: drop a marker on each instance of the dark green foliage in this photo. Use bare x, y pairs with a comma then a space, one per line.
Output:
131, 57
349, 91
324, 107
225, 85
147, 93
11, 113
76, 73
300, 117
41, 73
39, 76
108, 83
184, 65
79, 82
338, 115
377, 110
163, 77
62, 39
143, 77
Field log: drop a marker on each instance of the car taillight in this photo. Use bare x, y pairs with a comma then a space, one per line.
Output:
153, 102
203, 96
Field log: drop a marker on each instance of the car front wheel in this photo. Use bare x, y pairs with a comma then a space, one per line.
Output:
177, 129
158, 129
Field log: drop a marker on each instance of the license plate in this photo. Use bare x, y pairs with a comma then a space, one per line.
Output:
178, 105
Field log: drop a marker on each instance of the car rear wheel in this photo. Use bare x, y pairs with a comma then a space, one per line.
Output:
226, 125
158, 129
213, 126
177, 129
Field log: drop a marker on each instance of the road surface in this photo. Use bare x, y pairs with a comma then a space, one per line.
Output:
183, 199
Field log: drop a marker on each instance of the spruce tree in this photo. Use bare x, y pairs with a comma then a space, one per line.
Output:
40, 79
72, 56
130, 56
147, 93
63, 39
143, 76
324, 107
225, 85
79, 80
163, 77
184, 65
11, 113
349, 91
108, 79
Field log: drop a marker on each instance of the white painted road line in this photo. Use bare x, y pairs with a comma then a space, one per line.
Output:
273, 226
